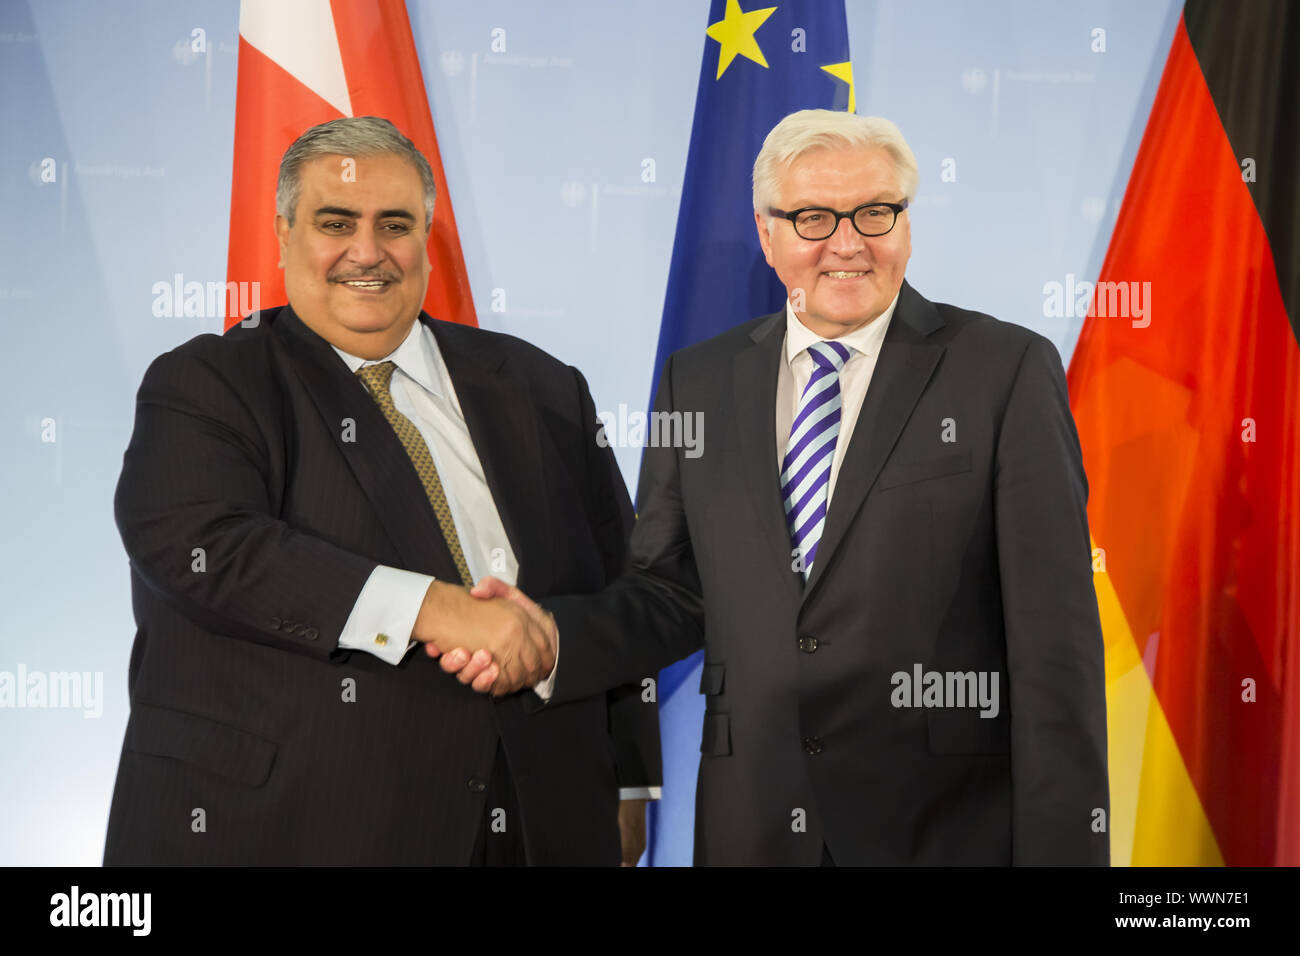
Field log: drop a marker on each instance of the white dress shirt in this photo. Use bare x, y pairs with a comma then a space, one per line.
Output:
793, 374
384, 615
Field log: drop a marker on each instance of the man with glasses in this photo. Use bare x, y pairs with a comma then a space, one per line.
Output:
883, 550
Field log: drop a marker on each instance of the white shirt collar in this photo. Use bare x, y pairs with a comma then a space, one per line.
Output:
866, 340
417, 357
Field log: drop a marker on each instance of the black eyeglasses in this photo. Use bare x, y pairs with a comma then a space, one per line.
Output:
817, 222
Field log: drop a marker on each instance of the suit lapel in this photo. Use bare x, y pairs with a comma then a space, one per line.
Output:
903, 369
754, 377
502, 422
380, 465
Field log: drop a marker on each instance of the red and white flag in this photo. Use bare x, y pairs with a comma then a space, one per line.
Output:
308, 62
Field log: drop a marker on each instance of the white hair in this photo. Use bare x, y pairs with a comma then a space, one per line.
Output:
808, 130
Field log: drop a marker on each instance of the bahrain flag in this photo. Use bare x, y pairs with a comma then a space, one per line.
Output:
1189, 419
308, 62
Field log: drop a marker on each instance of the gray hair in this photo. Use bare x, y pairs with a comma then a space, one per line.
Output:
349, 136
807, 130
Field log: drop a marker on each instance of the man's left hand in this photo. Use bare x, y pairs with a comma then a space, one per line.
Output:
631, 829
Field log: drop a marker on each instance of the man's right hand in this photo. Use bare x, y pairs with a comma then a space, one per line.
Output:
517, 645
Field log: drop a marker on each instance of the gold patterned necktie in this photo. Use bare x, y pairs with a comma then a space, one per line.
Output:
376, 379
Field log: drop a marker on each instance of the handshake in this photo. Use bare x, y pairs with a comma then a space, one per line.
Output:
492, 637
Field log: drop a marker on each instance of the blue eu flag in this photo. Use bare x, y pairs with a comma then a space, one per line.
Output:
760, 64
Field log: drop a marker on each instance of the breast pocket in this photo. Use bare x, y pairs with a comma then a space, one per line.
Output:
907, 473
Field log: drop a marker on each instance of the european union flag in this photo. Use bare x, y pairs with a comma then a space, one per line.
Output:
759, 66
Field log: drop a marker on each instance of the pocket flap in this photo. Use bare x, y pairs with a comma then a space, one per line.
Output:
222, 749
716, 737
712, 678
904, 473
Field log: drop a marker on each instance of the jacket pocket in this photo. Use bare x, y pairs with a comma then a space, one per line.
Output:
966, 732
224, 750
712, 678
716, 737
909, 472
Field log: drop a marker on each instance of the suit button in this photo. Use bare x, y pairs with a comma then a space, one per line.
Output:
812, 746
808, 645
476, 785
275, 623
311, 634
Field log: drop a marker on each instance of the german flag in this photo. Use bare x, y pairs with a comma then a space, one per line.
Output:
1189, 417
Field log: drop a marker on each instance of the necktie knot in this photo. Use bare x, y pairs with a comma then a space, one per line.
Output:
376, 377
830, 355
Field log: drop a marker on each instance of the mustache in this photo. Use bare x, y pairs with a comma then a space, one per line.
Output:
366, 276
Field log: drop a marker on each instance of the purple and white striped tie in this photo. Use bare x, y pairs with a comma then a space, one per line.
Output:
806, 470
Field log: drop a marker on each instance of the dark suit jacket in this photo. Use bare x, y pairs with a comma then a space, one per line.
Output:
236, 679
962, 556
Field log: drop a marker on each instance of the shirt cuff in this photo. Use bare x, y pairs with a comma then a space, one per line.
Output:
544, 689
640, 793
384, 616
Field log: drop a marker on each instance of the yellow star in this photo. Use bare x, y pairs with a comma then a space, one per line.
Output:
844, 71
735, 31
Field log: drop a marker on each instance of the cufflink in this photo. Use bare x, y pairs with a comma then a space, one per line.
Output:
381, 639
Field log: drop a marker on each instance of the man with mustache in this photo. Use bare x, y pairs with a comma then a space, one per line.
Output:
304, 500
